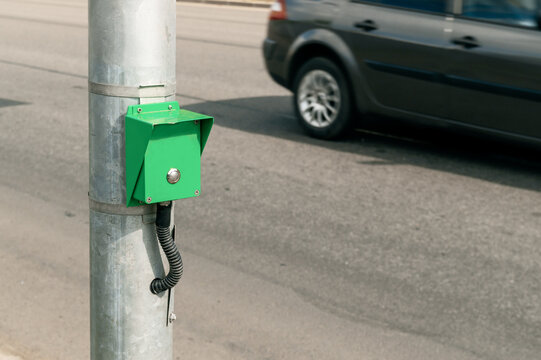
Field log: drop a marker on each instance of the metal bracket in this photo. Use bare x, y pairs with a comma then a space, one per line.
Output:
149, 218
142, 91
121, 209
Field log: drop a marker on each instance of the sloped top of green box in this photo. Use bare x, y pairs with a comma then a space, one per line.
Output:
159, 113
139, 125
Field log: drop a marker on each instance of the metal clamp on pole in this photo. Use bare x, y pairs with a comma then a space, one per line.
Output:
143, 91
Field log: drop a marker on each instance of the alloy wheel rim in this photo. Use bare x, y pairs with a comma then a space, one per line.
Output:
319, 98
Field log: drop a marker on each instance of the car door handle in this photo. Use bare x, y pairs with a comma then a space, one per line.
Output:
468, 42
367, 25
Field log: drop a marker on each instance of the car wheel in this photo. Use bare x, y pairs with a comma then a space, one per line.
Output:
322, 99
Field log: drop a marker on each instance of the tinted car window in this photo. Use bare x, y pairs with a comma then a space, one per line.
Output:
424, 5
512, 12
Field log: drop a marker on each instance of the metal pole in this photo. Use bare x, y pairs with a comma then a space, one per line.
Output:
132, 45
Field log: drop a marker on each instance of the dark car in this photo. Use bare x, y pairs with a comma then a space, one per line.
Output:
471, 63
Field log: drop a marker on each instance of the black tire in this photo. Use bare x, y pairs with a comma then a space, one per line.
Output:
314, 112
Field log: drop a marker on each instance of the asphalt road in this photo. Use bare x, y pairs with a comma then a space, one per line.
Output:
406, 245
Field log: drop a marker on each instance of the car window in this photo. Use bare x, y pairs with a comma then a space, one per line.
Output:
512, 12
423, 5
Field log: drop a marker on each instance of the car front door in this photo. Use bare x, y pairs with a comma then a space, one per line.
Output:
495, 66
400, 46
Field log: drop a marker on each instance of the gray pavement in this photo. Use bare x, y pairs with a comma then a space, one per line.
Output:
372, 247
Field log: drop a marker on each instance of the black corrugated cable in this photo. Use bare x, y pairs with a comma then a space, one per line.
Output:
167, 242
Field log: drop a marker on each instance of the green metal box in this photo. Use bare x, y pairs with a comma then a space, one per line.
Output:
163, 152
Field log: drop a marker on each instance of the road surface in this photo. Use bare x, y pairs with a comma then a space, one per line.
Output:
386, 247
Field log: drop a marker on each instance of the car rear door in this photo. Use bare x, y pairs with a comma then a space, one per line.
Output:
400, 46
495, 66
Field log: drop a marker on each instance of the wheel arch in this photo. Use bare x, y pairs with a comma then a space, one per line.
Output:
324, 43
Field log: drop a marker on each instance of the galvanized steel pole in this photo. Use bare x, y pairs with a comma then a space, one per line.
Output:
132, 45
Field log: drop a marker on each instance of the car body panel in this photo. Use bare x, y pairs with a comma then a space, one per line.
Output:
403, 81
498, 83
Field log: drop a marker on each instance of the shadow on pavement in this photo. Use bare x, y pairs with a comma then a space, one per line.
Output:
390, 141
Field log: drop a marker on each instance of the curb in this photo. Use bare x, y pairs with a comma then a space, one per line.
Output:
248, 3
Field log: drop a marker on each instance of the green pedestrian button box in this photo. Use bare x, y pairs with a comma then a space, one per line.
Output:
163, 152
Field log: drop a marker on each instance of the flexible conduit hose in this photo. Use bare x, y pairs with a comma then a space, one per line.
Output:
167, 242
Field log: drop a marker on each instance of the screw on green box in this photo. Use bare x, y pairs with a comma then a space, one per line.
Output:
161, 137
